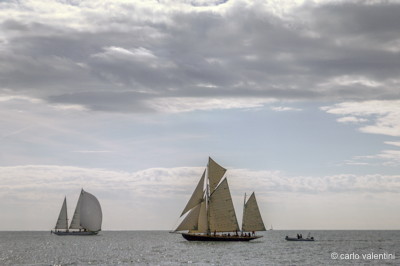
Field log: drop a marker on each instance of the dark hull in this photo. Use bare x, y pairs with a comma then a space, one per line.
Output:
298, 239
75, 233
192, 237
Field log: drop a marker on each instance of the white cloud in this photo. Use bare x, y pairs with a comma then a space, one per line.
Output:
347, 80
15, 98
188, 104
351, 119
377, 117
122, 53
385, 158
87, 151
394, 143
72, 107
284, 109
384, 116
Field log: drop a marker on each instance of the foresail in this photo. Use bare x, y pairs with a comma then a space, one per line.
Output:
62, 221
222, 213
252, 220
91, 215
191, 220
197, 195
76, 219
215, 174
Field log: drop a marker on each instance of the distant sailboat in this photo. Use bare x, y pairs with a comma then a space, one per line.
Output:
86, 220
210, 211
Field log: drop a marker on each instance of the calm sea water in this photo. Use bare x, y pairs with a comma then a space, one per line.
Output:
163, 248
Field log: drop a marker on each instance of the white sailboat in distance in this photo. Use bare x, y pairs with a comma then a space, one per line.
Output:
210, 215
87, 217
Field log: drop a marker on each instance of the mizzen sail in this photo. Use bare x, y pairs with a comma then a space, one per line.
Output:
252, 220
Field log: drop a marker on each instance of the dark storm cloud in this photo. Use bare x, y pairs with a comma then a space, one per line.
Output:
121, 60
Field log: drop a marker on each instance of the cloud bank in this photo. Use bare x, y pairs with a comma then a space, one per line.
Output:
152, 56
163, 192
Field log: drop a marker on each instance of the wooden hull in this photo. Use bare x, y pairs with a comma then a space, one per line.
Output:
193, 237
75, 233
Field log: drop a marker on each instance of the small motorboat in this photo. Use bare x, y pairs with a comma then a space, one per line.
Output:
300, 238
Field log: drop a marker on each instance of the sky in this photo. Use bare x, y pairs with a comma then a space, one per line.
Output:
299, 100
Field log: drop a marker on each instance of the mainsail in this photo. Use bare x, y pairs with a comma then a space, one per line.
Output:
252, 220
91, 215
88, 214
62, 221
202, 221
222, 213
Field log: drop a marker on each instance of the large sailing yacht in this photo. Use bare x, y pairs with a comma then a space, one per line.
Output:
86, 220
210, 215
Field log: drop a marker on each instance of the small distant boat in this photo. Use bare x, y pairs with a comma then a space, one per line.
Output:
271, 228
309, 238
210, 215
86, 220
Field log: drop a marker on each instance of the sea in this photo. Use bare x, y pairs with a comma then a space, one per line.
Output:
164, 248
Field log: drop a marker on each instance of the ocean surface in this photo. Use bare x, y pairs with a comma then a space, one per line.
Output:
163, 248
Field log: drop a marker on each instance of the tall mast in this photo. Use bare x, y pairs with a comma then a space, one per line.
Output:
66, 216
208, 203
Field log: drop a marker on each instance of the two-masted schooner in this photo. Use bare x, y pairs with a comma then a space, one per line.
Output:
86, 220
210, 214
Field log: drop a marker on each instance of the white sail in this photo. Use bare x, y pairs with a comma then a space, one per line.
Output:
90, 213
252, 220
191, 220
76, 219
222, 213
197, 195
215, 173
62, 221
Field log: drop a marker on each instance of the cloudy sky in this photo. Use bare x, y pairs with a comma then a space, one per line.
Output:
300, 100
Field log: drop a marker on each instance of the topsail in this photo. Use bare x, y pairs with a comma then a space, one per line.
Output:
215, 174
